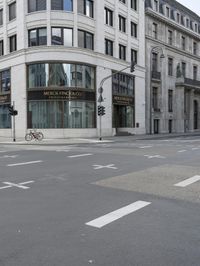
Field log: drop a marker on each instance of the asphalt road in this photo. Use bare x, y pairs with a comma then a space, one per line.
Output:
106, 204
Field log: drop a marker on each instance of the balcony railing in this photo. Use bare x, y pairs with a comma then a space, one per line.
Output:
192, 82
156, 75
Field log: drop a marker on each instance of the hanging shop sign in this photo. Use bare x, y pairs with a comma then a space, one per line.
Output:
123, 100
70, 95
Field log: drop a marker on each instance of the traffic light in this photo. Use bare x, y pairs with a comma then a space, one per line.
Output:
101, 110
132, 68
11, 109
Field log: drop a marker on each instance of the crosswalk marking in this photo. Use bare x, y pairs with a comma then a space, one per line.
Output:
188, 181
98, 166
115, 215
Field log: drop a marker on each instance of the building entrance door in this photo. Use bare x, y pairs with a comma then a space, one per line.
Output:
156, 126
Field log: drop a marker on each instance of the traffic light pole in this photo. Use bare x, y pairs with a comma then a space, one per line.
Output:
14, 138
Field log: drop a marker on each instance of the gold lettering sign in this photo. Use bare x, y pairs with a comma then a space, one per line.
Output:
123, 100
4, 98
63, 94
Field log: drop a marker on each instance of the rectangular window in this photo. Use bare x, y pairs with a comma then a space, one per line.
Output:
1, 17
122, 24
133, 56
155, 99
155, 5
154, 62
62, 36
13, 43
5, 117
170, 37
134, 4
108, 16
1, 48
133, 29
155, 30
183, 69
170, 100
167, 11
66, 5
86, 7
12, 11
108, 47
183, 42
178, 17
195, 72
194, 48
170, 66
37, 37
122, 52
36, 5
85, 39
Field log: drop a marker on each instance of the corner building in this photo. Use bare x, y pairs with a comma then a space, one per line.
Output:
53, 56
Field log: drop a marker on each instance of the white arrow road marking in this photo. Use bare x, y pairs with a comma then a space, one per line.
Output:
110, 166
115, 215
188, 181
20, 185
24, 163
155, 156
80, 155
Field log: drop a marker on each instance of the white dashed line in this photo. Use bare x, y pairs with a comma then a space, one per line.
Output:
24, 163
188, 181
181, 151
80, 155
115, 215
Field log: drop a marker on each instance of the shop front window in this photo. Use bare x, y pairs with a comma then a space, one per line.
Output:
5, 81
5, 118
61, 114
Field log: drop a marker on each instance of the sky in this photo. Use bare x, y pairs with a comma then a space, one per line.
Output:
194, 5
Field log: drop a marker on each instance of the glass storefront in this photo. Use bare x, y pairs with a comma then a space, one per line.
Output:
5, 118
61, 95
123, 89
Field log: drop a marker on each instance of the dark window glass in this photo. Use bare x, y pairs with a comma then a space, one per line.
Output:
170, 100
12, 11
170, 37
155, 99
194, 48
66, 5
183, 42
122, 52
1, 16
86, 7
133, 56
154, 62
5, 117
195, 72
134, 4
108, 47
62, 36
37, 37
122, 24
155, 30
183, 69
85, 39
170, 66
13, 43
1, 48
36, 5
123, 84
134, 29
108, 16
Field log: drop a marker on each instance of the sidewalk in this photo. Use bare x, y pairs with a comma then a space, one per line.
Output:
21, 141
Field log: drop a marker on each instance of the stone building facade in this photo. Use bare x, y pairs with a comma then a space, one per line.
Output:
173, 67
53, 56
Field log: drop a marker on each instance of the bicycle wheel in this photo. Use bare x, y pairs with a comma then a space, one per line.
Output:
28, 137
40, 136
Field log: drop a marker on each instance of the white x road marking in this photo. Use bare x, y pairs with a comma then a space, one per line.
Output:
154, 156
110, 166
9, 156
20, 185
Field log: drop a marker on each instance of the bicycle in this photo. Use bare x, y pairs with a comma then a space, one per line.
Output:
33, 134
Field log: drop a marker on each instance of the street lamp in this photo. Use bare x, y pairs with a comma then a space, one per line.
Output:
100, 90
153, 49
